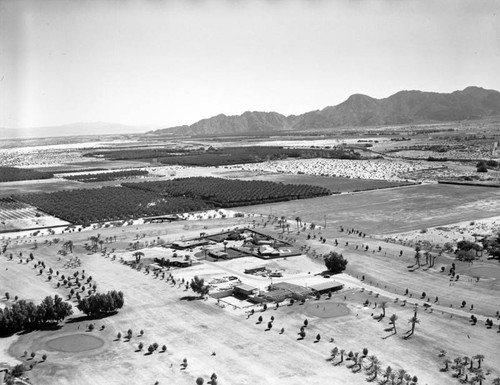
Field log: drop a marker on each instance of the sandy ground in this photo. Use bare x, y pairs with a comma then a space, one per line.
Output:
245, 353
364, 169
452, 233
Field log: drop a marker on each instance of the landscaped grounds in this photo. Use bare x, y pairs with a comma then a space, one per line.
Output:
207, 292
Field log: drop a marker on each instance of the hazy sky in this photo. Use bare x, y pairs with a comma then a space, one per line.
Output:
169, 63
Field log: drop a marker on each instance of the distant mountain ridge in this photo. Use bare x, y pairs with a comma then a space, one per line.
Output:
358, 110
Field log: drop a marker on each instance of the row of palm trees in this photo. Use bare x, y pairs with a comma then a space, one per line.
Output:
372, 367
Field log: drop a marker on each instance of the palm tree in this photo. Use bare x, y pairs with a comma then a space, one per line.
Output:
427, 256
225, 245
373, 360
458, 366
401, 375
417, 258
496, 381
387, 373
413, 320
342, 352
383, 306
334, 352
138, 255
393, 320
446, 363
479, 376
375, 371
479, 358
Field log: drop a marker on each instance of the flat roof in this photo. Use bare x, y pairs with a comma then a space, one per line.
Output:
326, 285
245, 287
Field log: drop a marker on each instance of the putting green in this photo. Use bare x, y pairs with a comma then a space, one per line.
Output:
326, 309
485, 272
75, 343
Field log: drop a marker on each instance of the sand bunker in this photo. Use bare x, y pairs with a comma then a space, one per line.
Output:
75, 343
485, 272
326, 309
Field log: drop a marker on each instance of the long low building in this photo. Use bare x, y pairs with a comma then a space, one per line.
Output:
188, 244
328, 286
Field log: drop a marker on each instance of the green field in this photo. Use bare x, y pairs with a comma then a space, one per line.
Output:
394, 210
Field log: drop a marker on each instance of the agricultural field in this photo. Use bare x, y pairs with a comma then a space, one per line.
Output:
107, 176
10, 174
393, 210
15, 215
229, 192
210, 157
109, 204
334, 184
39, 186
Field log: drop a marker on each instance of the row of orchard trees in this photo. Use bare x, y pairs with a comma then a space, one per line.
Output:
101, 303
230, 192
23, 315
106, 176
109, 204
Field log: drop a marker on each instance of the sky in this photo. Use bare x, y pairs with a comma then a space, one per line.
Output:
154, 63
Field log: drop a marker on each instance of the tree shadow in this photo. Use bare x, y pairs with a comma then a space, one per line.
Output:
190, 298
90, 317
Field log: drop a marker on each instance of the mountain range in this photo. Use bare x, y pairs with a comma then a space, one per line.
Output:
404, 107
